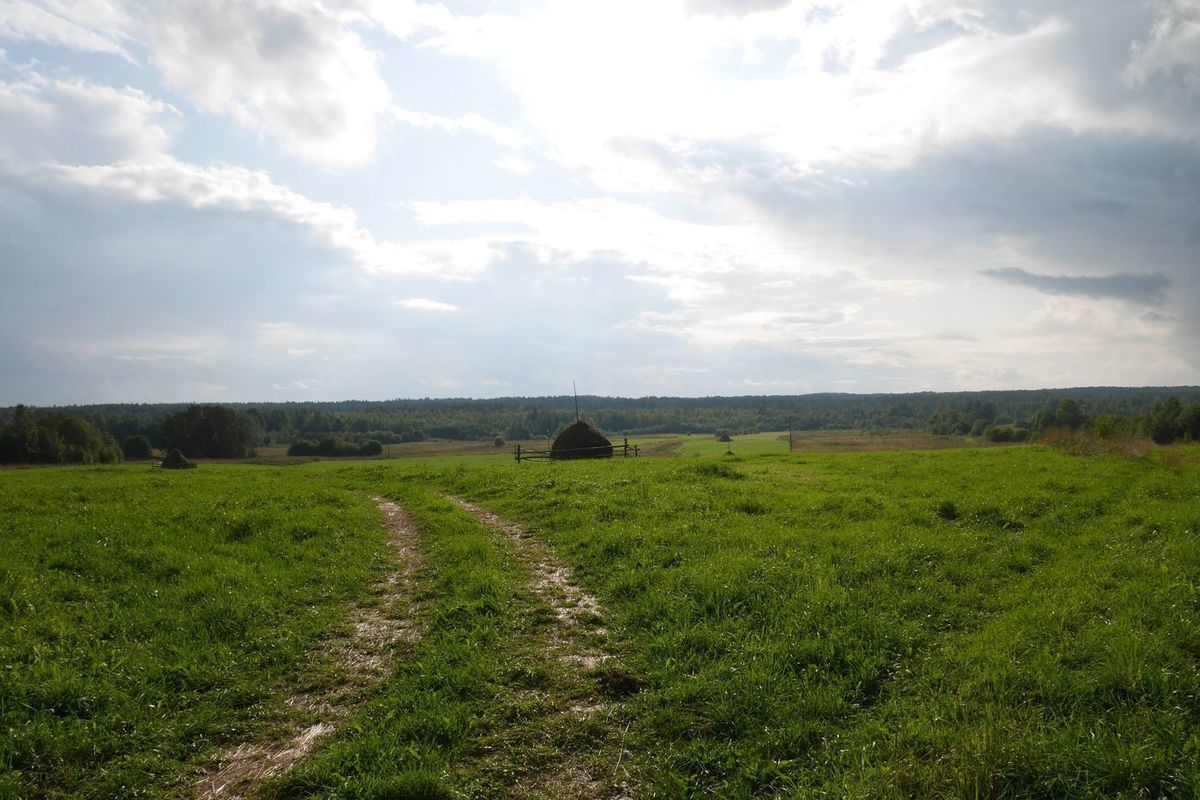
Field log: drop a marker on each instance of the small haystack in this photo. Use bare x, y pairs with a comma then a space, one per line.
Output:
724, 437
580, 440
176, 460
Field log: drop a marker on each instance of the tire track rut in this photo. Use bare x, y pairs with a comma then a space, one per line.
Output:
363, 657
576, 640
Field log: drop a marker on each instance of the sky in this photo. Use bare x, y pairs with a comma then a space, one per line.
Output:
259, 200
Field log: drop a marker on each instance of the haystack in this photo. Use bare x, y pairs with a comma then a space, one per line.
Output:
580, 440
176, 460
724, 437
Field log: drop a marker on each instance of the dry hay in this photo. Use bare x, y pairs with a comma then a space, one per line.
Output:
581, 440
176, 460
724, 437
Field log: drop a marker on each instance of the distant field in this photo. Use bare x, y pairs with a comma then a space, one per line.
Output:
439, 447
958, 622
804, 441
673, 444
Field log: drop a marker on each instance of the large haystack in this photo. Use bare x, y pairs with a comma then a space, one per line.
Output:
580, 440
176, 460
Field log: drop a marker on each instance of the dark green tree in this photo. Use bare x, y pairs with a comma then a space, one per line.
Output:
1189, 422
136, 447
206, 432
80, 441
54, 439
1069, 414
19, 439
1163, 425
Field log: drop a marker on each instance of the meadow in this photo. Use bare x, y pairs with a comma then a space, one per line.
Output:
959, 622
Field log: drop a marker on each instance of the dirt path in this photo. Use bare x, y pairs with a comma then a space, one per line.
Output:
363, 659
592, 685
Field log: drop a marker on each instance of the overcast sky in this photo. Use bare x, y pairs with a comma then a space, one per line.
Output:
258, 200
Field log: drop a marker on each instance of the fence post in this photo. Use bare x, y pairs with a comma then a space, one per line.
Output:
625, 452
518, 452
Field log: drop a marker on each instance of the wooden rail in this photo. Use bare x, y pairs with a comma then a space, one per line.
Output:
626, 450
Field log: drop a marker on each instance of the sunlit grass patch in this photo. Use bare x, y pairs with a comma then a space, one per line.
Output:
146, 614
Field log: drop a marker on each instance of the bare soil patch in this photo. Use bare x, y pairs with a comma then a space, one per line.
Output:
362, 659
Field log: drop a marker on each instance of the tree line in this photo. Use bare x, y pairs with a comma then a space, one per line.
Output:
234, 430
40, 437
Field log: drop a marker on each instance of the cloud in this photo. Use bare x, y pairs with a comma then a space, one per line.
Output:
296, 73
1171, 51
757, 194
76, 121
732, 8
820, 85
1144, 288
89, 25
517, 165
468, 123
424, 304
167, 180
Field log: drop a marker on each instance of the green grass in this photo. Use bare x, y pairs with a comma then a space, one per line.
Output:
985, 622
144, 615
749, 445
814, 626
475, 707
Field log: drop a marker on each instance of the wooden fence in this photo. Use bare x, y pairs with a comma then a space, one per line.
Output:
624, 450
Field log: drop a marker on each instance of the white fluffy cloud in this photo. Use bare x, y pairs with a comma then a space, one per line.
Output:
229, 187
76, 121
424, 304
295, 73
822, 83
88, 25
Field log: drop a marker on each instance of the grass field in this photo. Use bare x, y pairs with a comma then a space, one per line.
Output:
966, 622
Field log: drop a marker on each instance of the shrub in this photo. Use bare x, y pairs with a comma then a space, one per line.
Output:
498, 441
302, 447
331, 447
1007, 433
1085, 443
110, 452
1104, 426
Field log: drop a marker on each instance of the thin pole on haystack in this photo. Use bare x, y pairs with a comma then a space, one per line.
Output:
576, 393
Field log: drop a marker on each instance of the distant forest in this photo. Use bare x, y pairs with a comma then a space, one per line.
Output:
351, 424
